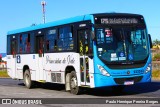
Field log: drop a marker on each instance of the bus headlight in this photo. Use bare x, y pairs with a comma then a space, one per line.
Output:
148, 69
103, 71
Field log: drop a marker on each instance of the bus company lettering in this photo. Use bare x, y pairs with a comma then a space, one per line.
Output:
68, 60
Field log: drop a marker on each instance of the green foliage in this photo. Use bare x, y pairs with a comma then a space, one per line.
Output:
3, 73
156, 73
156, 57
156, 42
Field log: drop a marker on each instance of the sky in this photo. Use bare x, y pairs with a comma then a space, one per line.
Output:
15, 14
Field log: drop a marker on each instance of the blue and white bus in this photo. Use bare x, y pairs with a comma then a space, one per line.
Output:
95, 50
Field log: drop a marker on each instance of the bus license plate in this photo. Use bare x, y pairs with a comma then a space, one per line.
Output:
128, 82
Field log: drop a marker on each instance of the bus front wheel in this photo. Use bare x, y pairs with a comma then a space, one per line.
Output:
74, 88
27, 79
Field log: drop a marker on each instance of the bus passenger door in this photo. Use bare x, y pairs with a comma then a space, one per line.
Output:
40, 51
83, 42
13, 61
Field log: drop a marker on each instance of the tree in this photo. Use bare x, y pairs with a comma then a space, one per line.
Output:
156, 42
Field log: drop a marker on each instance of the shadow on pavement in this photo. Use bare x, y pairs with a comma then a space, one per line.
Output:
129, 90
107, 91
49, 86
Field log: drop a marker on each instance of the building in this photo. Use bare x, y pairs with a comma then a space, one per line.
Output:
3, 62
3, 65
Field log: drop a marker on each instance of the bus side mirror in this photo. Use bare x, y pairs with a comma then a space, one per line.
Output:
150, 40
93, 35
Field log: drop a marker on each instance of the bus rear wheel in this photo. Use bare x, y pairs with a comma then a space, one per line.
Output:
27, 79
74, 88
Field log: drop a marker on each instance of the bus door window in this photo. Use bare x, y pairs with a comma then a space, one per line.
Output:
85, 43
13, 46
81, 46
39, 45
84, 50
86, 39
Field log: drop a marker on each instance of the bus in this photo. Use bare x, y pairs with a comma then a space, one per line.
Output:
94, 50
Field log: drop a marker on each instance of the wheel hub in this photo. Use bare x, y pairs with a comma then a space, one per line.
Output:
27, 79
73, 82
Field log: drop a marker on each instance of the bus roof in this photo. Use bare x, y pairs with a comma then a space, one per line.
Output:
51, 24
117, 14
69, 20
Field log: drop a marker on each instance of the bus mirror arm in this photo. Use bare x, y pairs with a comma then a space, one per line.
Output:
150, 41
92, 35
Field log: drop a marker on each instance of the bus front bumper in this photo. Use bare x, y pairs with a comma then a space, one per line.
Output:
102, 81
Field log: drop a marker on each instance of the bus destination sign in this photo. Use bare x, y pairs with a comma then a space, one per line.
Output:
119, 21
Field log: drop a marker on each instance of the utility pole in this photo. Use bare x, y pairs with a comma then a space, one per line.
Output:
43, 3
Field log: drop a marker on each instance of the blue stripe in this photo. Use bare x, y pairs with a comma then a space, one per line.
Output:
55, 23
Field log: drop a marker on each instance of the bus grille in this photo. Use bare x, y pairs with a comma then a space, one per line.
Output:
56, 77
122, 80
53, 77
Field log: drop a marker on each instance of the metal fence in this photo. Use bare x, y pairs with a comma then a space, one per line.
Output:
3, 69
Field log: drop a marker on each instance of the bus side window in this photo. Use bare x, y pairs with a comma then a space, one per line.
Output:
28, 45
25, 43
51, 40
13, 50
13, 45
20, 44
65, 40
55, 45
8, 44
47, 45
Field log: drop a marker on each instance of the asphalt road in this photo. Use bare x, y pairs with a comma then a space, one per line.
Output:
15, 89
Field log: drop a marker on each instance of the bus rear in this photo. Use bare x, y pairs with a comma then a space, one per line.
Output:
122, 53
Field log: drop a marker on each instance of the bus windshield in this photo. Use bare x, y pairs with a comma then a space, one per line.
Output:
122, 45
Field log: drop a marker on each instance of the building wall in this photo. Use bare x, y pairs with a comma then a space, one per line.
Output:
3, 64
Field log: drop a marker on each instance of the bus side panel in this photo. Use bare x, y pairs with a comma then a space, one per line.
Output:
56, 63
11, 66
26, 60
91, 73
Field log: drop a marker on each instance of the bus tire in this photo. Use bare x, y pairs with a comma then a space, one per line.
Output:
74, 88
67, 83
27, 79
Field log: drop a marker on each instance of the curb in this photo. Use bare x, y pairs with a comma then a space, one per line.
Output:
5, 77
